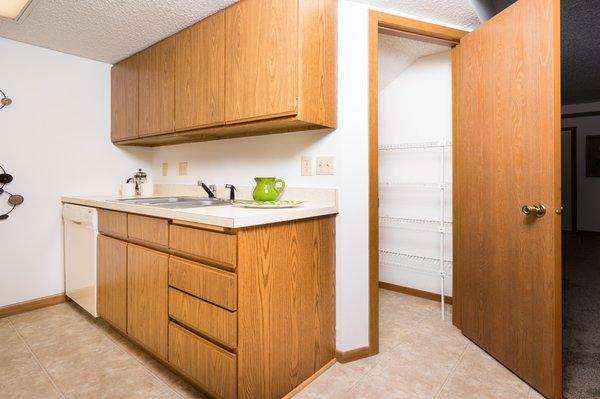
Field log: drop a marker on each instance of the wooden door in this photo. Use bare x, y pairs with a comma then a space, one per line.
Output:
124, 100
112, 281
147, 298
157, 88
200, 74
509, 156
261, 57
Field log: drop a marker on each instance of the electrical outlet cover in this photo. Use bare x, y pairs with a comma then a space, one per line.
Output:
165, 169
325, 165
306, 166
183, 168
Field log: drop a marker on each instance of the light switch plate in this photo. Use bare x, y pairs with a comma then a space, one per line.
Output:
183, 167
306, 166
325, 165
165, 169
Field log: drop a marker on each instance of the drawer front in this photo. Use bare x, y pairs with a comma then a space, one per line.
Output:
148, 229
209, 245
211, 284
215, 322
112, 223
213, 368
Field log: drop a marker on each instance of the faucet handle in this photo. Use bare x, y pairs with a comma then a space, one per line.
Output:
209, 190
232, 189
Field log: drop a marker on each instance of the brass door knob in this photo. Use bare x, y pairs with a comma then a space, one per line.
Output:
538, 210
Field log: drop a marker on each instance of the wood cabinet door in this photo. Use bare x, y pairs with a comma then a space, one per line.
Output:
112, 281
200, 74
157, 88
509, 156
124, 100
261, 57
147, 298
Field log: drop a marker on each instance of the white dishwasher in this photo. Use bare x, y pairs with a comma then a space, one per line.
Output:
80, 234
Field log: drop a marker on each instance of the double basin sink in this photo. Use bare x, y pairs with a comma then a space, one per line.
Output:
175, 202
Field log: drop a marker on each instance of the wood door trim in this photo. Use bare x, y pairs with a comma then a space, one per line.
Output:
456, 293
353, 354
38, 303
573, 137
414, 292
417, 29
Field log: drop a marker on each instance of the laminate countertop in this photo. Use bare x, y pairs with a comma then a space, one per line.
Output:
222, 215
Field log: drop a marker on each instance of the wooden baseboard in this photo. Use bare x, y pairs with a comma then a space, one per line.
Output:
414, 292
352, 355
310, 379
33, 304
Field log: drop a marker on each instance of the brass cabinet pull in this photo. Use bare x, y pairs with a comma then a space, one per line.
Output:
538, 210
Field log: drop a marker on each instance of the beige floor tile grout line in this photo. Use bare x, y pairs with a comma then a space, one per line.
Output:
125, 351
452, 371
37, 360
368, 372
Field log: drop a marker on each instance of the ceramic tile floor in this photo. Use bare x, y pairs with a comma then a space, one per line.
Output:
421, 357
61, 352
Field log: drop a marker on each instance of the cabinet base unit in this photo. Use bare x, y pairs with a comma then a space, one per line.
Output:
251, 315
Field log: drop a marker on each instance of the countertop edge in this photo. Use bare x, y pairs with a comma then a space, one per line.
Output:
267, 216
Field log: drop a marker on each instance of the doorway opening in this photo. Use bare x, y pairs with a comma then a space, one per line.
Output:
412, 73
415, 168
580, 147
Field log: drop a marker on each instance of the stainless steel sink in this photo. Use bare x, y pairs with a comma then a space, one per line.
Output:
175, 202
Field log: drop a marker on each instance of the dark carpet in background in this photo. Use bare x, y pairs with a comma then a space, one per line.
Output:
581, 316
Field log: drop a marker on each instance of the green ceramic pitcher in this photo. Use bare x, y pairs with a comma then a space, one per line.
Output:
267, 190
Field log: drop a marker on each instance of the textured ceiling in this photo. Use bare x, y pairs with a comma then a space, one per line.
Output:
455, 12
107, 30
580, 39
580, 42
397, 53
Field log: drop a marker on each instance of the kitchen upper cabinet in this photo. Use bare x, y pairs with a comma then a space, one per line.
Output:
256, 67
200, 74
157, 88
124, 100
112, 281
261, 59
147, 298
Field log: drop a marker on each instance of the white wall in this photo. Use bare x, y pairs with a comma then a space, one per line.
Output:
54, 140
588, 188
415, 106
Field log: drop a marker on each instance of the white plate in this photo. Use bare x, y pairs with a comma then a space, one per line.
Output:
266, 204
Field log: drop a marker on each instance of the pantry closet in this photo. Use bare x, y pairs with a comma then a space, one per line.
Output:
415, 167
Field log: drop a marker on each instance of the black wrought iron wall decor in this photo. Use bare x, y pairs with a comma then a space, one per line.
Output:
4, 101
13, 199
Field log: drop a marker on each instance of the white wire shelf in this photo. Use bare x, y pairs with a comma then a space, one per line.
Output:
417, 145
416, 186
415, 263
415, 224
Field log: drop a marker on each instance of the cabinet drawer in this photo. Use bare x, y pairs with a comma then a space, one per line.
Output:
213, 368
148, 229
204, 317
208, 245
112, 223
211, 284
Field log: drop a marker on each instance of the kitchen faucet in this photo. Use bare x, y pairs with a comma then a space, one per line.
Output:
210, 190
